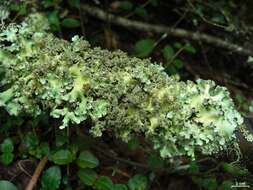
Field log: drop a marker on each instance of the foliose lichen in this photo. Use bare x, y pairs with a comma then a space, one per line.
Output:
129, 96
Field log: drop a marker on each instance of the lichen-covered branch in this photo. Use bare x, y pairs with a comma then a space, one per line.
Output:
76, 83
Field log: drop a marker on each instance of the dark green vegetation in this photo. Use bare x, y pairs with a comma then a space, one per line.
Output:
54, 94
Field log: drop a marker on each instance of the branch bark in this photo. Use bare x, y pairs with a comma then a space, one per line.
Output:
37, 173
176, 32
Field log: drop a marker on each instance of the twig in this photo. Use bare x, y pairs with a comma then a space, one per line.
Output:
176, 32
142, 6
176, 54
129, 162
82, 22
37, 173
203, 17
143, 166
22, 168
168, 170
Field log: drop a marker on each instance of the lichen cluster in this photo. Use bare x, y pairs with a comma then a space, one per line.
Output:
129, 96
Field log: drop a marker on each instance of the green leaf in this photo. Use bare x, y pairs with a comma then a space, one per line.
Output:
235, 170
190, 49
226, 185
6, 185
73, 148
51, 178
70, 23
219, 19
178, 45
104, 183
65, 180
44, 148
6, 158
209, 184
61, 139
194, 168
38, 150
14, 7
133, 144
7, 145
126, 5
48, 3
178, 63
120, 187
21, 9
197, 180
87, 176
171, 69
54, 21
62, 157
141, 12
83, 143
138, 182
153, 2
74, 3
155, 161
87, 160
144, 47
31, 141
168, 52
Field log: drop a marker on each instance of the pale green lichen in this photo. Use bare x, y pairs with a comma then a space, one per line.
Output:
128, 96
246, 133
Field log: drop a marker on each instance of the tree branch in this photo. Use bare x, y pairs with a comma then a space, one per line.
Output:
37, 173
176, 32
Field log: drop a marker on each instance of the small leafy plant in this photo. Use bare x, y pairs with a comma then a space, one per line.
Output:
7, 149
